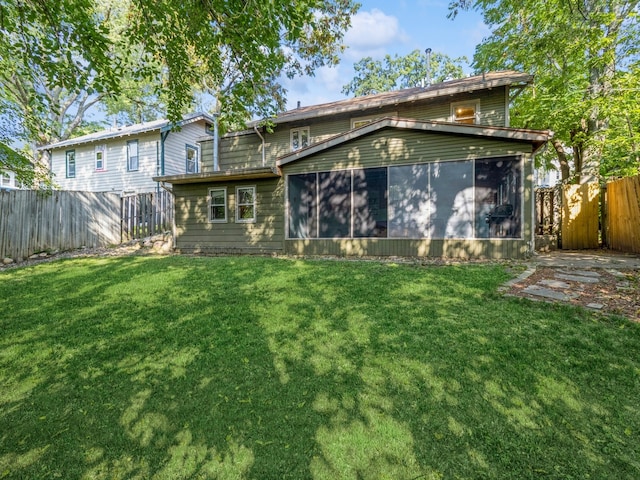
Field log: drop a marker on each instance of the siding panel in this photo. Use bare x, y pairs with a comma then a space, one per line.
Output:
194, 232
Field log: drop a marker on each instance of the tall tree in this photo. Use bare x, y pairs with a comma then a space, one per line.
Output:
397, 72
579, 51
234, 49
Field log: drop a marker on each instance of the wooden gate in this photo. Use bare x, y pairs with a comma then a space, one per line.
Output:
623, 214
580, 216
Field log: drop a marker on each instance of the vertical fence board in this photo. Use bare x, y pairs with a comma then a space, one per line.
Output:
580, 216
623, 214
33, 221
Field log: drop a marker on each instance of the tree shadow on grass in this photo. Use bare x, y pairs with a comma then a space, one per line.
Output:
262, 368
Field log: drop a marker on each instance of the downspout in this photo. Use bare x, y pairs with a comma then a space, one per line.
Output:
216, 143
163, 137
255, 129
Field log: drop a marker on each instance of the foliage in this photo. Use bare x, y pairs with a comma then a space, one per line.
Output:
267, 368
58, 59
581, 53
398, 72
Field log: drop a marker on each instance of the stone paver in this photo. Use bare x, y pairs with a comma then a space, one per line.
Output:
539, 291
554, 284
577, 278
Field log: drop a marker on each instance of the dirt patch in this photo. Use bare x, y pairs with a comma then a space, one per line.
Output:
615, 292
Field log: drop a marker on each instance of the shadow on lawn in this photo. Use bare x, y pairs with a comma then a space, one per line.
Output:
269, 369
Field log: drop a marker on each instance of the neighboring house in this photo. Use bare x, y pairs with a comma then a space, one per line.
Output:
432, 171
8, 181
125, 159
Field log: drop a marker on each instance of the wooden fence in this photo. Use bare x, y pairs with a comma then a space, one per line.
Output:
580, 216
623, 214
33, 221
146, 214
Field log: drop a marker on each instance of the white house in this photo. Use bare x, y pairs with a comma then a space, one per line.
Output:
125, 159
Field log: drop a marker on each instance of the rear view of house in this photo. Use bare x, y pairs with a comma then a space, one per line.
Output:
433, 171
125, 160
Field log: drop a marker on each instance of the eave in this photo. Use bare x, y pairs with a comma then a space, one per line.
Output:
222, 176
536, 138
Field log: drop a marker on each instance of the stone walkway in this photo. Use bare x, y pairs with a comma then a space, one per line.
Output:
594, 279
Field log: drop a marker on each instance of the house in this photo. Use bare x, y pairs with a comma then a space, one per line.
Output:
8, 181
433, 171
125, 159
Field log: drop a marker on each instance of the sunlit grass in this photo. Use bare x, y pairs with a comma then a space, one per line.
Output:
233, 368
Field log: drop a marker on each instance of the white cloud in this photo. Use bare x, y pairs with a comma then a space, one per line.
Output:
370, 34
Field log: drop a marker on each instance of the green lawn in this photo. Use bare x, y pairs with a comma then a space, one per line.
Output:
261, 368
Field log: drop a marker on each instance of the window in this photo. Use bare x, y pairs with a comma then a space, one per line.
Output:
362, 121
465, 112
6, 180
133, 160
245, 204
299, 138
192, 159
218, 205
70, 156
457, 199
99, 157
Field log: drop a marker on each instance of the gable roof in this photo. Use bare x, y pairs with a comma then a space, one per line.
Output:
535, 137
451, 87
137, 129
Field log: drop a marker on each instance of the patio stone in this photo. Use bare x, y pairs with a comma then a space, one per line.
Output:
549, 293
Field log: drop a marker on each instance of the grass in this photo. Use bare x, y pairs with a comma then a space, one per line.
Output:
259, 368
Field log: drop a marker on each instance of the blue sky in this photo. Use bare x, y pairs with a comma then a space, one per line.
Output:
391, 27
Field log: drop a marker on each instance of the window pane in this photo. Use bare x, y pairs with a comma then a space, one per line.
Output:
304, 138
295, 140
302, 195
451, 199
466, 114
498, 198
370, 202
217, 205
245, 195
409, 201
334, 212
245, 204
246, 212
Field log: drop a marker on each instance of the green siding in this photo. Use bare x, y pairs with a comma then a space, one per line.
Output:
397, 147
382, 247
245, 151
392, 146
194, 232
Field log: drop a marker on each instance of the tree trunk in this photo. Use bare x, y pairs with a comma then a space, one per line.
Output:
565, 172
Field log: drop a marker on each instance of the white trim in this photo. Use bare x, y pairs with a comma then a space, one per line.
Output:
299, 131
100, 149
217, 220
362, 121
475, 103
254, 204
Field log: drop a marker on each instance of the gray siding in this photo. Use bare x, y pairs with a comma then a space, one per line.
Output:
115, 177
194, 232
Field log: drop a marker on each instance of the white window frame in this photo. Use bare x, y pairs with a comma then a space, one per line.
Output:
253, 204
299, 133
6, 180
130, 157
196, 162
209, 205
100, 150
362, 121
468, 103
70, 154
